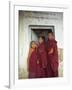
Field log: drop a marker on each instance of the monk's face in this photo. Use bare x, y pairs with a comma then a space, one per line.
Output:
50, 36
33, 45
40, 40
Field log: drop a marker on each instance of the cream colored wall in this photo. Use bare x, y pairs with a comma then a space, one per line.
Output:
35, 18
34, 36
22, 48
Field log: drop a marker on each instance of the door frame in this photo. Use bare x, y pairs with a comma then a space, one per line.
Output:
52, 27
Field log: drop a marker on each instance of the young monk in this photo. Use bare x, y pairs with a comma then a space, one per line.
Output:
34, 67
42, 55
52, 54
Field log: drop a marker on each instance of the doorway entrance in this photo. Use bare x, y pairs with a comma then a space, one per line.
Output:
36, 31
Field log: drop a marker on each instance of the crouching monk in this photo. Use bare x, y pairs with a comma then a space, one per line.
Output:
52, 54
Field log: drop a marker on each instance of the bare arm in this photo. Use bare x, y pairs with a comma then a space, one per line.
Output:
51, 51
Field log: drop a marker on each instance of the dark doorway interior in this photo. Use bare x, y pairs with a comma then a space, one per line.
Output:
35, 33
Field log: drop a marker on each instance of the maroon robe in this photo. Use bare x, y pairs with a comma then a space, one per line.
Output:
34, 65
43, 57
52, 58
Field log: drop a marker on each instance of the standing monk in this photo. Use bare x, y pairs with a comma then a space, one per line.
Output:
52, 53
34, 67
42, 55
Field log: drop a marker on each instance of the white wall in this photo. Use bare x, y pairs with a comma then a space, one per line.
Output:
37, 18
34, 36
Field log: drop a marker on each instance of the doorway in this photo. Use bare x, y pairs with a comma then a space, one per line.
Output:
37, 31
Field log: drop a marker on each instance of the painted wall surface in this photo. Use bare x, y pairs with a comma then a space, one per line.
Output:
36, 18
34, 36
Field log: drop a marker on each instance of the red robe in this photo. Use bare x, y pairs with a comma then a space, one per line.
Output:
43, 57
34, 65
52, 58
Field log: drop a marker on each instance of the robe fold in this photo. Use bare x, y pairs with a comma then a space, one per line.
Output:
52, 58
34, 65
43, 57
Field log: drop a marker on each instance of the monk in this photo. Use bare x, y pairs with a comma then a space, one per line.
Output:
52, 54
34, 67
42, 55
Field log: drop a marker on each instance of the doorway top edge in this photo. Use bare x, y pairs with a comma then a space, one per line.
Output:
41, 26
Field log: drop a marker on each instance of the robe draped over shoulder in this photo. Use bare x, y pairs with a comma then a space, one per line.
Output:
42, 54
34, 65
53, 57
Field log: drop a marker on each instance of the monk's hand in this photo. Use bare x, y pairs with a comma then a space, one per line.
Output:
51, 51
37, 61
